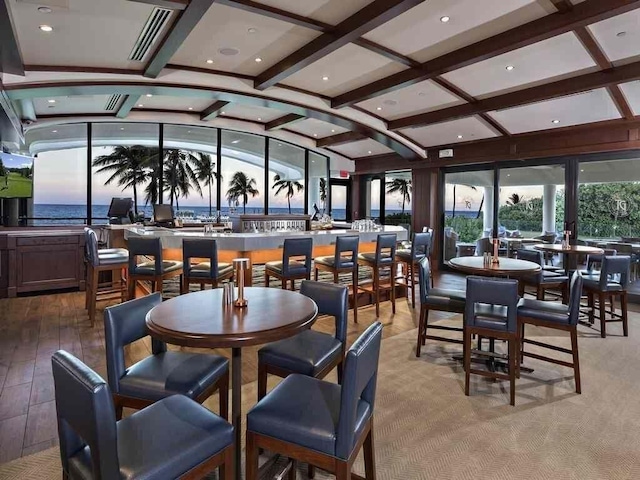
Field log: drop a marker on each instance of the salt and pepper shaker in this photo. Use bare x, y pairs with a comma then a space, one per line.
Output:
228, 291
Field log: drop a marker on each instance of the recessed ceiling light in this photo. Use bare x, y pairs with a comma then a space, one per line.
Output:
149, 95
508, 174
258, 59
315, 134
252, 30
325, 78
44, 10
279, 144
140, 105
460, 137
621, 34
509, 67
188, 131
582, 171
46, 28
313, 161
555, 122
445, 19
378, 108
391, 103
259, 119
369, 152
121, 128
421, 94
222, 113
52, 100
235, 141
209, 61
54, 131
333, 130
190, 108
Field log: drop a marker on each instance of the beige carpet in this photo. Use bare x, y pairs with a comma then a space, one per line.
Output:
425, 427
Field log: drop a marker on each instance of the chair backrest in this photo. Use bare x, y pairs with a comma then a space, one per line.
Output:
346, 244
491, 292
91, 246
331, 299
386, 246
150, 247
86, 415
621, 248
420, 246
359, 382
574, 297
407, 227
615, 269
595, 259
424, 274
484, 245
124, 324
548, 237
297, 247
534, 256
427, 230
206, 248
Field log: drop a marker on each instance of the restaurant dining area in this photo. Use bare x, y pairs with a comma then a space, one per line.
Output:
362, 239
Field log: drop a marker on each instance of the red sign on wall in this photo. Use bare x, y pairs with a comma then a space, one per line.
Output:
344, 174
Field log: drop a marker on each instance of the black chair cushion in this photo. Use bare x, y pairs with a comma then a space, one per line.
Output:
553, 277
370, 258
295, 267
165, 440
168, 373
304, 411
493, 317
548, 311
203, 270
451, 300
329, 261
592, 282
405, 256
114, 257
306, 353
149, 268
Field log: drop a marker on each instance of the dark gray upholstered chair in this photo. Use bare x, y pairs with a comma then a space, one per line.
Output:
344, 260
383, 258
557, 316
164, 373
155, 271
420, 248
175, 437
318, 422
208, 272
611, 282
483, 245
594, 261
295, 264
440, 299
492, 312
543, 280
113, 260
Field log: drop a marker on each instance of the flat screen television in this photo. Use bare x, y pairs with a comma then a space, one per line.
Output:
162, 214
16, 176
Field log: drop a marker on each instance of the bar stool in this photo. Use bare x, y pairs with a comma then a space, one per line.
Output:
543, 280
594, 260
384, 257
344, 260
291, 268
492, 312
113, 260
205, 273
420, 247
155, 271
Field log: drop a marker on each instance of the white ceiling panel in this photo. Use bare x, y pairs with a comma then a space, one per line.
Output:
174, 103
90, 33
420, 34
469, 128
327, 11
315, 128
556, 57
632, 93
361, 148
71, 104
619, 36
254, 114
419, 98
593, 106
347, 68
226, 29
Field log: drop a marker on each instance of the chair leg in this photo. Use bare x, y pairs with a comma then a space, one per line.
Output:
425, 326
467, 361
576, 360
512, 370
369, 456
603, 321
293, 284
521, 343
94, 294
315, 274
343, 470
421, 325
262, 380
311, 471
336, 279
251, 457
590, 305
340, 369
119, 410
413, 285
540, 293
623, 312
266, 280
223, 393
283, 284
123, 286
355, 295
160, 285
392, 279
376, 287
131, 286
227, 469
292, 471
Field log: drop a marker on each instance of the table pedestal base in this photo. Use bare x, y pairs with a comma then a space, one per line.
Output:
236, 405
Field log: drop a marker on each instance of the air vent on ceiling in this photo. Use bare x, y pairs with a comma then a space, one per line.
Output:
150, 33
113, 101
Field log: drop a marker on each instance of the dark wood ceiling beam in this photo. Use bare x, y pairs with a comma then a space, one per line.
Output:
581, 15
368, 18
172, 4
213, 110
561, 88
591, 45
562, 6
284, 121
179, 31
278, 14
27, 110
386, 52
10, 56
127, 105
339, 139
621, 102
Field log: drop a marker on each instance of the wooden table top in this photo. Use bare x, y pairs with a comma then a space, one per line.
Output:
559, 248
199, 319
507, 266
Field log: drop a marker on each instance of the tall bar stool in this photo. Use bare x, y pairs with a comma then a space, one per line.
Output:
155, 271
543, 280
113, 260
383, 258
205, 273
344, 260
295, 264
420, 247
492, 312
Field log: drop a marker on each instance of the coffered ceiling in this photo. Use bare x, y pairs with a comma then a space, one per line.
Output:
363, 78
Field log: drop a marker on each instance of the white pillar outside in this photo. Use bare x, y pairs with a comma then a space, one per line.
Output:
487, 210
548, 208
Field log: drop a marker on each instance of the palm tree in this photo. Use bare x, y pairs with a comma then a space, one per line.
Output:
515, 199
323, 193
129, 166
240, 187
206, 172
179, 175
290, 187
401, 186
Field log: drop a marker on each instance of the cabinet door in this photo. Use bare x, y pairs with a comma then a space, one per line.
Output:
45, 267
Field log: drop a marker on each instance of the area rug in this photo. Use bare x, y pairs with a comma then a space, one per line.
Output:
426, 428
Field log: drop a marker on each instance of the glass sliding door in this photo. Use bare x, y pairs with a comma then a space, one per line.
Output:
340, 208
318, 189
243, 172
286, 178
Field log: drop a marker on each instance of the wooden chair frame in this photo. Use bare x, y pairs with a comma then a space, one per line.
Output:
186, 281
336, 272
285, 280
223, 460
602, 298
97, 292
156, 281
423, 324
377, 286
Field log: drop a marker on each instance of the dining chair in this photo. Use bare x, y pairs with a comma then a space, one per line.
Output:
439, 299
382, 259
544, 280
155, 271
311, 352
420, 248
321, 423
164, 372
491, 312
295, 264
173, 438
209, 272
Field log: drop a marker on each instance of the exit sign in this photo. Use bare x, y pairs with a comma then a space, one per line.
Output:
344, 174
446, 153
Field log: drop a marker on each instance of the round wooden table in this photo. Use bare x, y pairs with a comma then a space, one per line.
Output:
508, 267
200, 320
567, 250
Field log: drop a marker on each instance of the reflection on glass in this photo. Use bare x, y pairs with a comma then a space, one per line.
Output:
318, 184
242, 168
286, 177
339, 202
398, 195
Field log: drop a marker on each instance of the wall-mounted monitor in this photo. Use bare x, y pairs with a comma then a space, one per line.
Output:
16, 176
162, 214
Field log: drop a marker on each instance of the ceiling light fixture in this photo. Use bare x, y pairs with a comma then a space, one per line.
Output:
333, 130
379, 108
325, 78
369, 152
582, 171
460, 137
46, 28
235, 141
222, 113
258, 59
140, 105
259, 119
621, 34
121, 128
445, 19
315, 134
555, 122
44, 10
509, 68
209, 61
54, 131
149, 95
252, 30
52, 101
190, 108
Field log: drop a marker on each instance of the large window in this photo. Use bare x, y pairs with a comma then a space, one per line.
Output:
242, 167
318, 192
287, 186
398, 196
